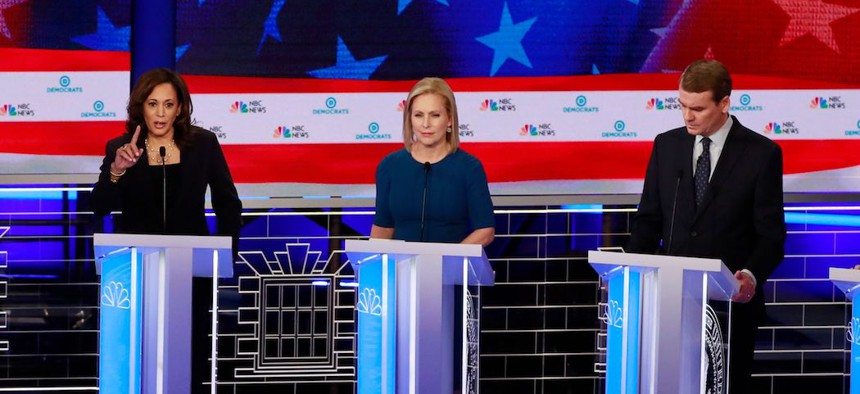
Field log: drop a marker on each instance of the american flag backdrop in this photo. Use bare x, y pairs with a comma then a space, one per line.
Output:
554, 96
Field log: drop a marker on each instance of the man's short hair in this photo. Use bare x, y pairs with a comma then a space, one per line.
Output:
707, 75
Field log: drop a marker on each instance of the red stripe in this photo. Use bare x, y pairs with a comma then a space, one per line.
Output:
504, 162
58, 138
801, 156
27, 59
308, 163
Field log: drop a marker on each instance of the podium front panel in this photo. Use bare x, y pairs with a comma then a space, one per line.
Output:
662, 336
418, 311
468, 334
622, 317
120, 356
852, 336
377, 326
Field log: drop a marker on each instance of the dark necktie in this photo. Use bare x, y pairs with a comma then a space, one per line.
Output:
703, 170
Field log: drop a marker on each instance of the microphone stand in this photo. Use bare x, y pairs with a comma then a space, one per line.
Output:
424, 198
674, 207
163, 152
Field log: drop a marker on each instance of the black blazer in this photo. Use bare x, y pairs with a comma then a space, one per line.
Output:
202, 165
741, 219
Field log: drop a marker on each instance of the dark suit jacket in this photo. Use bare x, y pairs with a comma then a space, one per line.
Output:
202, 164
741, 220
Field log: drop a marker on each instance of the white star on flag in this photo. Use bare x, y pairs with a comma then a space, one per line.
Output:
4, 4
813, 19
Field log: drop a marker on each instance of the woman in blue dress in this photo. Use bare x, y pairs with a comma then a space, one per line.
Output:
432, 191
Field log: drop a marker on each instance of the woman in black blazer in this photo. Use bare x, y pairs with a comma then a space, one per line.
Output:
132, 173
160, 143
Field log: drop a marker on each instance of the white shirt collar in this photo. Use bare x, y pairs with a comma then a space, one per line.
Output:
719, 137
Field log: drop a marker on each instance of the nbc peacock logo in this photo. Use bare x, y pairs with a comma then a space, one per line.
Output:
498, 104
281, 131
662, 103
537, 130
291, 132
818, 102
528, 129
782, 128
654, 103
251, 107
772, 128
832, 102
401, 106
489, 105
239, 107
20, 110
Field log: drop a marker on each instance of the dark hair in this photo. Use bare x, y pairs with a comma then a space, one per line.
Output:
182, 131
707, 75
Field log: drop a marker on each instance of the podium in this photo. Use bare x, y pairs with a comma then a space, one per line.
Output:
848, 280
418, 310
145, 308
659, 325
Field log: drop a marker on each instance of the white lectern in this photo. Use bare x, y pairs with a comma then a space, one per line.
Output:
657, 321
848, 280
418, 308
145, 308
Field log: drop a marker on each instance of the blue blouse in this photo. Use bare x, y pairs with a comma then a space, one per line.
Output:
458, 199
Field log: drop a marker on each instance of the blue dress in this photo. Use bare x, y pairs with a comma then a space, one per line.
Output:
458, 199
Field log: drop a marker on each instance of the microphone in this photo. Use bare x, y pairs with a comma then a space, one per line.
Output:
424, 198
674, 207
163, 152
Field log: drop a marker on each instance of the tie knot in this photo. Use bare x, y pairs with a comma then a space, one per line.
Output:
706, 142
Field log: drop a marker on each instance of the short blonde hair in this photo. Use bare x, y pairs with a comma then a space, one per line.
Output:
432, 86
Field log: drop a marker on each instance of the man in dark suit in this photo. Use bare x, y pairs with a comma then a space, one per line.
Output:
714, 189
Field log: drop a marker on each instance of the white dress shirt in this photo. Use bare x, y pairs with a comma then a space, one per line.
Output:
718, 141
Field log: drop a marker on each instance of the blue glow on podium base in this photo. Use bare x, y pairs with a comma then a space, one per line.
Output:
855, 345
623, 331
121, 324
375, 352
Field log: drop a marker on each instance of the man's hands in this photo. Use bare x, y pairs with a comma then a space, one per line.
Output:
747, 290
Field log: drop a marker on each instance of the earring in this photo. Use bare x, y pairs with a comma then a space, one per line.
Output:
450, 129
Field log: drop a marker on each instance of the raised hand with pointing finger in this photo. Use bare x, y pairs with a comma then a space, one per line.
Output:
126, 156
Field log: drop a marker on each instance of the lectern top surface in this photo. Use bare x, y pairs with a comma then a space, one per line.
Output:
209, 255
414, 248
152, 240
846, 279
